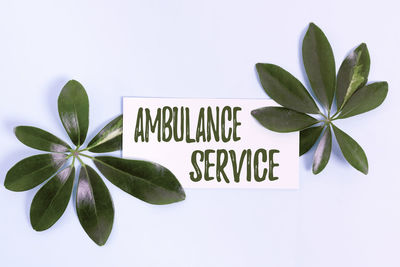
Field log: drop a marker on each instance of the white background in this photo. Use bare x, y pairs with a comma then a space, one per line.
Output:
201, 49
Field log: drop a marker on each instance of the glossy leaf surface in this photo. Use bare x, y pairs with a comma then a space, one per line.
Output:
52, 199
73, 108
365, 99
33, 171
285, 89
308, 137
147, 181
319, 64
94, 205
323, 151
351, 150
40, 139
282, 120
109, 138
353, 74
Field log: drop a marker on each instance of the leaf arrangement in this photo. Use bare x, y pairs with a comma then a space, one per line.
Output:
348, 88
147, 181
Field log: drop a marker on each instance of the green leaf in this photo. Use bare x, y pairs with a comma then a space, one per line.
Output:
147, 181
319, 64
353, 74
52, 199
40, 139
323, 151
352, 151
308, 137
73, 108
285, 89
94, 206
365, 99
282, 120
33, 171
109, 138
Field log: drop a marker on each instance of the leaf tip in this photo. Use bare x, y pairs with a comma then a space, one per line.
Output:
385, 84
259, 67
37, 228
182, 195
15, 130
312, 26
317, 169
72, 81
6, 185
100, 243
363, 45
364, 170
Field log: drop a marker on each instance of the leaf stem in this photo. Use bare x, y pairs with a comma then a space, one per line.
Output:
82, 163
92, 158
323, 115
336, 113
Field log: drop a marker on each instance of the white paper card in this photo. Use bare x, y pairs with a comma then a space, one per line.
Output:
210, 143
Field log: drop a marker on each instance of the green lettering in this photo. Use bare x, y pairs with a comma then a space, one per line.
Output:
221, 164
153, 126
272, 164
198, 176
208, 165
263, 153
201, 131
166, 119
139, 126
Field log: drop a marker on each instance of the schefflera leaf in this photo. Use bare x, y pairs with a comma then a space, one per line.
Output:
285, 89
351, 150
283, 120
319, 64
365, 99
109, 139
353, 74
40, 139
308, 137
144, 180
73, 108
52, 199
94, 205
32, 171
323, 151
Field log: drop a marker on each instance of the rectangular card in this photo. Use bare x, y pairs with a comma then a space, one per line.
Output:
210, 143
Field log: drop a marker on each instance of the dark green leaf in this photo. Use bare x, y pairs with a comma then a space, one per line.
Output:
319, 64
282, 120
147, 181
352, 151
323, 151
33, 171
73, 108
94, 206
40, 139
109, 138
353, 74
308, 137
285, 89
365, 99
52, 199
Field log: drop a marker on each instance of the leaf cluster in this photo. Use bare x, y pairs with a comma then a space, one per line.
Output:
341, 96
144, 180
